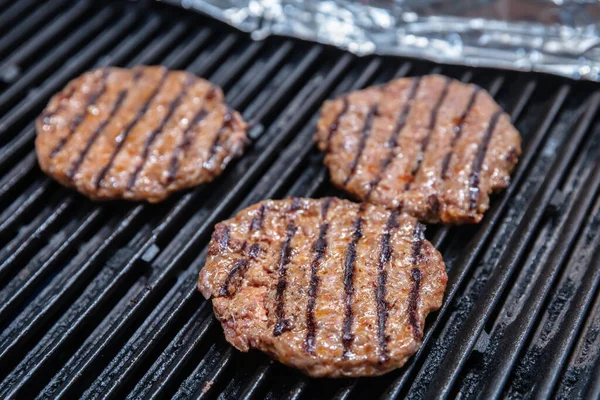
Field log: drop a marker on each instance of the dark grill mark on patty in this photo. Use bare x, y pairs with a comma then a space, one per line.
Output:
282, 323
366, 132
408, 155
254, 250
159, 129
434, 204
327, 276
73, 171
223, 237
257, 220
325, 207
47, 115
81, 116
512, 155
417, 244
392, 142
478, 161
220, 138
416, 274
185, 143
296, 203
349, 266
458, 131
319, 247
413, 302
432, 121
120, 140
240, 264
381, 289
333, 128
130, 157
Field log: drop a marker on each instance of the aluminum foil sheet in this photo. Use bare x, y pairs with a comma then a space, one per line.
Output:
560, 37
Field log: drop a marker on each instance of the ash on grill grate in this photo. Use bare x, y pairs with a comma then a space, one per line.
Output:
99, 299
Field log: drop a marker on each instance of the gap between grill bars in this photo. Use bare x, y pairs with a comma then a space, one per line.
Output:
99, 299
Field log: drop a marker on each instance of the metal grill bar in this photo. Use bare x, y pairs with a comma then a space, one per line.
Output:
42, 38
41, 191
24, 27
459, 273
578, 375
126, 267
137, 212
517, 332
16, 252
575, 317
207, 224
11, 180
454, 362
76, 64
100, 300
513, 341
20, 289
60, 52
301, 140
593, 390
13, 13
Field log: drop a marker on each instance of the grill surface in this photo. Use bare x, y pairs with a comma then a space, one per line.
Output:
99, 299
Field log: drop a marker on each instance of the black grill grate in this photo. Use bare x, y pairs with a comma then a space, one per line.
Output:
99, 299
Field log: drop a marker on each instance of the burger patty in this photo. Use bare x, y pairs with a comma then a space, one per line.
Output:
137, 134
328, 286
430, 146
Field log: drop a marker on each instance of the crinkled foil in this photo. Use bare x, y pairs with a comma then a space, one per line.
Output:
560, 37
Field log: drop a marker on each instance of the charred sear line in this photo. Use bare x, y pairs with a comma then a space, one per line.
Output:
81, 116
220, 137
458, 131
434, 204
254, 250
185, 143
115, 108
366, 132
223, 235
416, 274
512, 156
413, 302
432, 121
319, 247
392, 142
156, 132
120, 140
47, 114
349, 266
381, 288
417, 243
325, 207
257, 220
478, 161
296, 203
333, 128
239, 266
282, 324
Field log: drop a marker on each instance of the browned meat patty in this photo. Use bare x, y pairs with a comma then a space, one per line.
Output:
432, 147
137, 134
328, 286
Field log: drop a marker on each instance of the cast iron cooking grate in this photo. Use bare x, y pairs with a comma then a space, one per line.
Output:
99, 299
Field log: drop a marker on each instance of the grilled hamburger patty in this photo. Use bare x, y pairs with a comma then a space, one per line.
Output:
429, 146
138, 134
328, 286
